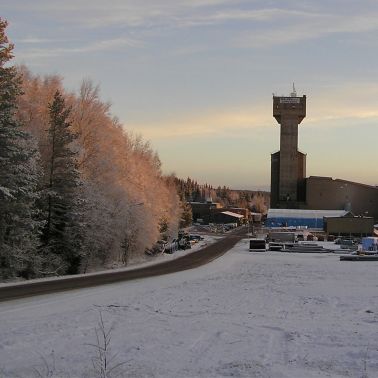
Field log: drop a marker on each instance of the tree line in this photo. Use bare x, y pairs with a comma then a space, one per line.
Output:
190, 190
77, 191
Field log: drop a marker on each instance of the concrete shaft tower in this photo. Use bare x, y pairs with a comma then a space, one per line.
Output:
288, 164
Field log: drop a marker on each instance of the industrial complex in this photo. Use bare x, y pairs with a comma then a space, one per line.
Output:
291, 189
333, 206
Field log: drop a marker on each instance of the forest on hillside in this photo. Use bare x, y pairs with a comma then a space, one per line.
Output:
77, 191
189, 190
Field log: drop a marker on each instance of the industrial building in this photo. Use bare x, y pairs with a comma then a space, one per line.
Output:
328, 193
333, 222
203, 211
290, 189
301, 218
213, 212
349, 226
225, 217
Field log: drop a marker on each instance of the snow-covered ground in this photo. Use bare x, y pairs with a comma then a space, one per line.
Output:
243, 315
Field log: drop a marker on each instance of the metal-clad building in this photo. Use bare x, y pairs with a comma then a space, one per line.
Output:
228, 217
300, 218
329, 193
349, 226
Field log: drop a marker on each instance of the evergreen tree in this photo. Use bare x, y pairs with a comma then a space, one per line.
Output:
18, 175
62, 232
186, 215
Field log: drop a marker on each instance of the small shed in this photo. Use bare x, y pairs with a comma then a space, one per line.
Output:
225, 217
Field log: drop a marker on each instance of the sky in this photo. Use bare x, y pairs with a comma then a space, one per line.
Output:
196, 77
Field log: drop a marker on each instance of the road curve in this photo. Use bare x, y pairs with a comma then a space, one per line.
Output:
189, 261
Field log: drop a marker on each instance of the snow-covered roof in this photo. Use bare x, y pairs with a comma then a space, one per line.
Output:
231, 214
299, 213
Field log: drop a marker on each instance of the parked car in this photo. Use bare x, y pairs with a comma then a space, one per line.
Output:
172, 246
300, 237
182, 234
184, 243
157, 248
196, 238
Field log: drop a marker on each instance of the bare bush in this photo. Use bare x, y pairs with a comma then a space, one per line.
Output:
104, 361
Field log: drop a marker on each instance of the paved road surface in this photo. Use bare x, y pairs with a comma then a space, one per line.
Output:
189, 261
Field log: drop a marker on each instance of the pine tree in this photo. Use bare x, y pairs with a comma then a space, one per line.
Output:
186, 215
62, 232
18, 175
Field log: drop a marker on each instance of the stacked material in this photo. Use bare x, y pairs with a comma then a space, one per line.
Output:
307, 248
359, 258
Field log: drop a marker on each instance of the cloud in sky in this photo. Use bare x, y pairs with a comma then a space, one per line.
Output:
32, 40
352, 101
290, 23
205, 125
104, 45
137, 23
132, 13
309, 27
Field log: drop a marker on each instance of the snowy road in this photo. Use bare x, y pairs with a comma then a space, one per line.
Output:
181, 261
243, 315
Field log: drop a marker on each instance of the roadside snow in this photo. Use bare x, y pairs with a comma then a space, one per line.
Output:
243, 315
208, 240
162, 257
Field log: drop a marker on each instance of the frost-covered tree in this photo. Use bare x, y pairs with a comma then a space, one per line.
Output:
18, 175
98, 231
125, 194
187, 215
61, 237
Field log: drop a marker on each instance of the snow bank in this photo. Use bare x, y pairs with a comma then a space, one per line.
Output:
244, 315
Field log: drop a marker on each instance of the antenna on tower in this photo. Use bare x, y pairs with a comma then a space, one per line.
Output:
294, 93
